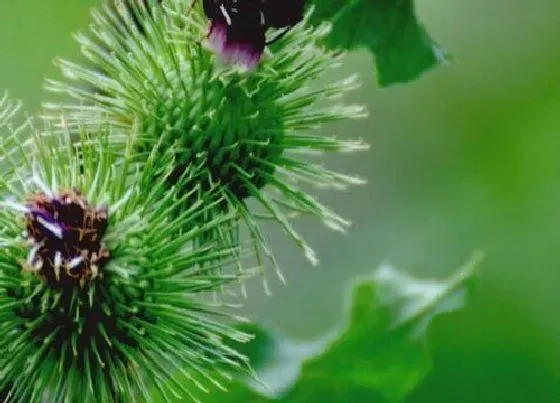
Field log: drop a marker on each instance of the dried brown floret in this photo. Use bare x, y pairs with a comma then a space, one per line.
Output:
65, 235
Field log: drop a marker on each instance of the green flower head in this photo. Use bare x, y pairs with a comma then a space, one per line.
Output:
103, 294
252, 134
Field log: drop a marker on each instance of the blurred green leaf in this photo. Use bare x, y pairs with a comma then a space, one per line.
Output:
402, 48
377, 354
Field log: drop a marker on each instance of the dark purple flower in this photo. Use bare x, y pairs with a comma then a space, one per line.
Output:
236, 45
238, 27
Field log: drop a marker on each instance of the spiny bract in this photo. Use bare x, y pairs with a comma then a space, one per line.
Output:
247, 131
102, 295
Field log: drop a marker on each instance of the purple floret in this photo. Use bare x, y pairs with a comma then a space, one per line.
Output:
238, 28
234, 47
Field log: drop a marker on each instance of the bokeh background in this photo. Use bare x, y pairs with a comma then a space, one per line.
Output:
467, 157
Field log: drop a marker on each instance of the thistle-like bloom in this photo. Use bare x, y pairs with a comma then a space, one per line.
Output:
102, 295
247, 132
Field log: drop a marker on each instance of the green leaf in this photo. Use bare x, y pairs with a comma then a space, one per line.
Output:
377, 353
402, 48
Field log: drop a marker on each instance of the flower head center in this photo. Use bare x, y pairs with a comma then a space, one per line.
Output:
65, 235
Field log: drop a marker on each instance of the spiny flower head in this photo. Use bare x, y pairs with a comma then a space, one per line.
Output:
103, 295
246, 132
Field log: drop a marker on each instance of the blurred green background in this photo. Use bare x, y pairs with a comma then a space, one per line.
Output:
467, 157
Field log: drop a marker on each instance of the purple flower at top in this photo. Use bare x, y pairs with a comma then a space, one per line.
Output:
238, 27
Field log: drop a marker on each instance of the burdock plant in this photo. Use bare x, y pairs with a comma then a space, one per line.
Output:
102, 295
252, 134
120, 214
